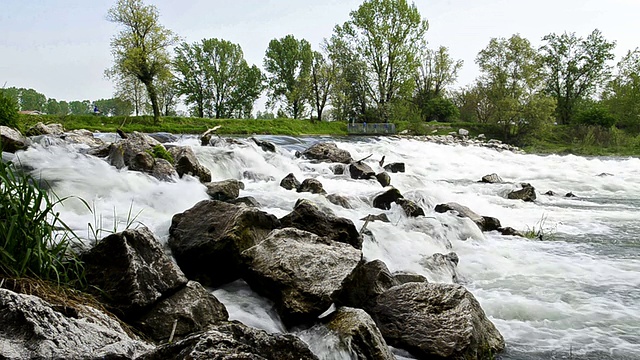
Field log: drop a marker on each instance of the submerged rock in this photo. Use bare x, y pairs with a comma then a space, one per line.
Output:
360, 170
339, 200
264, 145
443, 266
186, 163
411, 209
395, 167
527, 193
386, 198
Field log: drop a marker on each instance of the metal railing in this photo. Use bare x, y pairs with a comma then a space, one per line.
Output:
371, 129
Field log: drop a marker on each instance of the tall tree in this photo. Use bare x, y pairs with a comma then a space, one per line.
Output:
32, 100
140, 49
322, 78
388, 35
191, 77
436, 72
80, 107
575, 67
288, 64
622, 94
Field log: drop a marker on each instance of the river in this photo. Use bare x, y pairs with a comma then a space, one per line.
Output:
575, 294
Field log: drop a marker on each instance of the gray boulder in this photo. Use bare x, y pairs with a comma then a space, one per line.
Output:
339, 200
527, 193
360, 170
384, 179
290, 182
164, 137
84, 137
386, 198
207, 239
356, 328
394, 167
12, 140
42, 129
134, 152
131, 270
300, 271
436, 321
365, 284
411, 209
35, 329
163, 170
485, 223
312, 186
308, 217
404, 277
327, 152
186, 163
234, 341
224, 190
492, 179
192, 308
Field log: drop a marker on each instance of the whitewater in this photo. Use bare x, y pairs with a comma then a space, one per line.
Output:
574, 294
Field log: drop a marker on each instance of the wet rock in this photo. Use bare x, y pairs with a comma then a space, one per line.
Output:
550, 193
304, 280
386, 198
164, 137
245, 200
134, 152
403, 277
83, 137
604, 174
509, 231
205, 138
338, 169
207, 239
192, 308
186, 163
224, 190
485, 223
490, 223
234, 341
356, 328
35, 329
142, 161
443, 266
327, 152
308, 217
131, 270
360, 170
290, 182
463, 132
570, 195
492, 179
384, 179
527, 193
339, 200
411, 209
264, 145
365, 284
12, 140
379, 217
395, 167
436, 321
163, 170
42, 129
312, 186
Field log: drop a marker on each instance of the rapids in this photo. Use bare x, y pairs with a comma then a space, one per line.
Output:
573, 294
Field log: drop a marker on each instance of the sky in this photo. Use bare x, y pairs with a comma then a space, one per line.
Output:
61, 47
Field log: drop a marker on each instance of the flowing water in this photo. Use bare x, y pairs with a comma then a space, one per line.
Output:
575, 294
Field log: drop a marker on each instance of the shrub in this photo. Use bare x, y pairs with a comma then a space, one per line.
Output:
596, 115
8, 111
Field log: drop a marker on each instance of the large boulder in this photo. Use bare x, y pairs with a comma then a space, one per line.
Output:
36, 329
311, 185
234, 341
192, 309
186, 163
327, 152
308, 217
485, 223
365, 284
11, 140
527, 193
224, 190
436, 321
394, 167
42, 129
85, 137
290, 182
356, 328
207, 239
300, 271
135, 153
163, 170
131, 270
360, 170
386, 198
384, 179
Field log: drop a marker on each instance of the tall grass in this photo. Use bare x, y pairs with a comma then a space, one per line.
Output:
34, 241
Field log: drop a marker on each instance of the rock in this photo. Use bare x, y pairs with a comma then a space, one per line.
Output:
205, 139
509, 231
411, 209
264, 145
83, 137
490, 223
186, 163
123, 152
142, 161
384, 179
465, 212
379, 217
463, 132
481, 137
550, 193
163, 170
194, 309
207, 239
308, 217
395, 167
245, 200
492, 179
12, 140
436, 321
403, 277
604, 174
389, 195
527, 193
570, 195
42, 129
131, 270
163, 137
356, 328
311, 185
327, 152
445, 266
251, 175
35, 329
234, 341
338, 169
300, 271
339, 200
290, 182
360, 170
224, 190
365, 284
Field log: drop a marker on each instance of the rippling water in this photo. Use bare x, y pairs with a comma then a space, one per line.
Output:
574, 295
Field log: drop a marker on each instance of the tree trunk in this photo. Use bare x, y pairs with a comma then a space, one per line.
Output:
153, 96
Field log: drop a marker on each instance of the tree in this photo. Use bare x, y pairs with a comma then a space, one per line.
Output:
80, 107
52, 107
114, 107
437, 70
622, 93
32, 100
131, 90
511, 84
191, 78
575, 67
140, 49
288, 64
387, 35
8, 110
322, 78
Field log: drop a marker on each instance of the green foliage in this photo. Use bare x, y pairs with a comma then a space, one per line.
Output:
8, 110
439, 109
34, 241
114, 107
323, 73
160, 152
437, 71
540, 230
622, 94
595, 115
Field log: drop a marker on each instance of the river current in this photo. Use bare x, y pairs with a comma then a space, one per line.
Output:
575, 294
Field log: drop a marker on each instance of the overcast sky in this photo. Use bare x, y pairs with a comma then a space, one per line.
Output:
61, 47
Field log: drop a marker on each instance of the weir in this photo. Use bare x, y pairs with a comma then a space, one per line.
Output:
371, 129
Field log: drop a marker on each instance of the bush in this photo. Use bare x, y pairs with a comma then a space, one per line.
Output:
34, 241
596, 115
8, 111
440, 109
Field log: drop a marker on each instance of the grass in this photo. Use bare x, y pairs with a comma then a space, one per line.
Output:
540, 231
